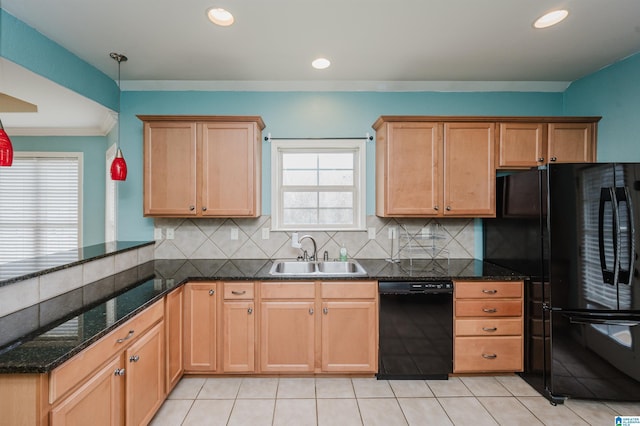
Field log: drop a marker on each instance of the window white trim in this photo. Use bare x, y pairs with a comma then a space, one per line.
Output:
357, 146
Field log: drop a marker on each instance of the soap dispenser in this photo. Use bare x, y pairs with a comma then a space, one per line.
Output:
343, 254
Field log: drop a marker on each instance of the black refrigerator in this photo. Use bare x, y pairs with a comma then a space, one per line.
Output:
574, 229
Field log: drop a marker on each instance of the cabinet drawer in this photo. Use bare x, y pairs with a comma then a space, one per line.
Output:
349, 290
66, 376
478, 354
488, 308
239, 291
288, 290
489, 327
488, 289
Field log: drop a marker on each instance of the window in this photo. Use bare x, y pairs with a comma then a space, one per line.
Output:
318, 184
40, 211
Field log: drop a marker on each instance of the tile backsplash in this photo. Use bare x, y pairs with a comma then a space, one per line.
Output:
243, 239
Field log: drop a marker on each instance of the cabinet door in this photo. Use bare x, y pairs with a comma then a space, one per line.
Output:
239, 337
174, 334
230, 169
520, 145
409, 164
145, 378
349, 342
571, 143
287, 336
200, 327
98, 399
170, 169
469, 170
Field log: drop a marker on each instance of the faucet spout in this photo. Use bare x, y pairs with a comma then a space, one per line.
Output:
313, 256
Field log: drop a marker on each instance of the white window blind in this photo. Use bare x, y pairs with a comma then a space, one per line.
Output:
318, 185
40, 210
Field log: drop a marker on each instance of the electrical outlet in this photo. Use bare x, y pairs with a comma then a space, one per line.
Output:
392, 232
170, 233
371, 233
265, 233
157, 234
234, 234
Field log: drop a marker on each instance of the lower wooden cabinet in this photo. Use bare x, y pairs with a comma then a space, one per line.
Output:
239, 324
287, 327
100, 399
488, 326
174, 329
200, 327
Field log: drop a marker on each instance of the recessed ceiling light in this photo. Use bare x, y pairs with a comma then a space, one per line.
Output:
220, 16
321, 63
551, 18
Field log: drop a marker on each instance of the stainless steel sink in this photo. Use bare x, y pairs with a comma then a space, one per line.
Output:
349, 268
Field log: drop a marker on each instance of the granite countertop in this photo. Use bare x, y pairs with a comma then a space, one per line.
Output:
41, 337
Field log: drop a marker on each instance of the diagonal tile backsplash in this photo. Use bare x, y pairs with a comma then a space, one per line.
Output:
416, 238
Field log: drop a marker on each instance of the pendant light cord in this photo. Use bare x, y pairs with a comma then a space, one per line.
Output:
119, 58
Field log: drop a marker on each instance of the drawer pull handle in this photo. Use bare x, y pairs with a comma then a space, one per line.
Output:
489, 291
490, 310
489, 356
212, 292
134, 358
490, 329
238, 292
119, 372
129, 336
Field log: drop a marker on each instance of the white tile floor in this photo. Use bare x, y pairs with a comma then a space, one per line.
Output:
475, 401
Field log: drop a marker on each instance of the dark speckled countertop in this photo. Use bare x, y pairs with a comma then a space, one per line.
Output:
41, 337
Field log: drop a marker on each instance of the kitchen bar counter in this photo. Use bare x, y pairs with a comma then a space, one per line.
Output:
41, 337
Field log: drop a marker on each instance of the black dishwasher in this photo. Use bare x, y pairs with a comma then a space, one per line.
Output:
416, 330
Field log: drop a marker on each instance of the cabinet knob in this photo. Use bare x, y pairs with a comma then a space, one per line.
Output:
212, 292
250, 311
119, 372
192, 208
310, 311
325, 311
541, 159
554, 158
489, 356
128, 336
204, 209
448, 208
490, 310
436, 208
134, 358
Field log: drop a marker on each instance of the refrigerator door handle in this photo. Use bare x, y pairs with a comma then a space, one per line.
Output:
624, 275
607, 195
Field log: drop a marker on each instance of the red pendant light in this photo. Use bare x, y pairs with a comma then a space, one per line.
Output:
118, 166
6, 149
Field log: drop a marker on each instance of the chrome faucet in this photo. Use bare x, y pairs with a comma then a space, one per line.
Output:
313, 257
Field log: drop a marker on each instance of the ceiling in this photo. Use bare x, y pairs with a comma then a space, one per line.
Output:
372, 44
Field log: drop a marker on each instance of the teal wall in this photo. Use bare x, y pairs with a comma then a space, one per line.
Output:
26, 47
300, 114
614, 94
93, 149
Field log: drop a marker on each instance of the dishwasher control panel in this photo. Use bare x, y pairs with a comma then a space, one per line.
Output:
408, 287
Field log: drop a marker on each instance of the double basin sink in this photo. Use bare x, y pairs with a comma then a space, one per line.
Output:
349, 268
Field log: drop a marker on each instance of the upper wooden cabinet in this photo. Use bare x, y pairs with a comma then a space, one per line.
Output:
434, 168
202, 166
532, 143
